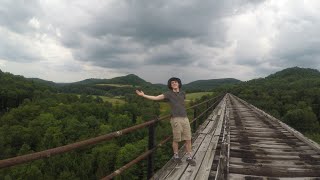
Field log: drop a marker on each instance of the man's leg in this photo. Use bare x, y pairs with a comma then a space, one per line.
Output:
187, 136
175, 147
188, 146
176, 132
190, 160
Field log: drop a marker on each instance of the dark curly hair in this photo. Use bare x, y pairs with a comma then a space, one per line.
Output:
174, 79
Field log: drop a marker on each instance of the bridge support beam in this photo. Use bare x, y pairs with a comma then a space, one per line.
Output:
151, 143
196, 120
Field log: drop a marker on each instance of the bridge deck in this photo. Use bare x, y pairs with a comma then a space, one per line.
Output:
204, 146
239, 141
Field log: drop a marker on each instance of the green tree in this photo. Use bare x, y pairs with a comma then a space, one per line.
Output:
126, 154
303, 120
105, 159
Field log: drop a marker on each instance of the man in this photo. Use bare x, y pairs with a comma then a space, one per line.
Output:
179, 121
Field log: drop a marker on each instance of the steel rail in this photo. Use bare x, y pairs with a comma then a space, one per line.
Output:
136, 160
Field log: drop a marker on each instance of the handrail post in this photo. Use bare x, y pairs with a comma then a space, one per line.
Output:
212, 105
151, 143
207, 110
196, 120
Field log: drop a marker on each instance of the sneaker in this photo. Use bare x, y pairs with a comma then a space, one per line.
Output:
191, 161
177, 160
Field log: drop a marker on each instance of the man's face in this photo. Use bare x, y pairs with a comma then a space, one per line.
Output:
174, 84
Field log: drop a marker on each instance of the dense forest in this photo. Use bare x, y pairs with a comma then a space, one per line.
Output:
37, 115
15, 89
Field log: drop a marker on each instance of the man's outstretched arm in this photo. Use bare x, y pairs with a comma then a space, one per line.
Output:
155, 98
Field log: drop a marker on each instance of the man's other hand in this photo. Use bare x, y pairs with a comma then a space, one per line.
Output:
140, 93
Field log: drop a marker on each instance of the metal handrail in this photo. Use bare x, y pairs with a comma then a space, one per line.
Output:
136, 160
148, 152
62, 149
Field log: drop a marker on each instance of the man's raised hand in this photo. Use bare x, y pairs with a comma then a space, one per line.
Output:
140, 93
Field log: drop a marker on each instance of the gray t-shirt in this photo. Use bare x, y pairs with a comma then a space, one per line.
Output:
176, 101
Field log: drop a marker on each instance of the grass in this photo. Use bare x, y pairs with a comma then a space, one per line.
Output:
164, 108
117, 85
314, 136
197, 95
112, 100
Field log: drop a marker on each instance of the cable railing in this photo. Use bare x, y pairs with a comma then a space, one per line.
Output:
210, 104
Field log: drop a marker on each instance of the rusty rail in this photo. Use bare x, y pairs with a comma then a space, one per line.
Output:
62, 149
135, 161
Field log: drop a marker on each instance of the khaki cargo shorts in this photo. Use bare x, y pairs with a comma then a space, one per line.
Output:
180, 128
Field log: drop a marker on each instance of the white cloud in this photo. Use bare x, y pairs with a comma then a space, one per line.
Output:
34, 23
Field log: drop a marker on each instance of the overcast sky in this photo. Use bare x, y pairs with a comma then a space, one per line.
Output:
68, 41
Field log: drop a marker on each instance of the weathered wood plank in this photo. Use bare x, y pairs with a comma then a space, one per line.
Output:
170, 166
204, 154
234, 176
262, 147
294, 162
259, 147
179, 170
257, 138
219, 127
208, 128
274, 171
200, 146
205, 168
239, 152
192, 171
214, 117
237, 145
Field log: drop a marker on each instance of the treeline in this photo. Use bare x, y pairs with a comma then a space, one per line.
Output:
104, 90
118, 86
209, 85
14, 89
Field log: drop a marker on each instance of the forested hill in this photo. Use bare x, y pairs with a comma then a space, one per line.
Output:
292, 95
43, 82
118, 86
295, 73
123, 85
14, 89
130, 79
206, 85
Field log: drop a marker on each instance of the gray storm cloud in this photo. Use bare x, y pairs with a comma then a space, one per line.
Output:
143, 26
133, 36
